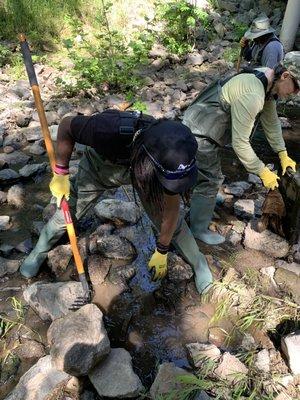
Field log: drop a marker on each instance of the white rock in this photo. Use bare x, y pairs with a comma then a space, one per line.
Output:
230, 368
201, 352
263, 361
290, 345
244, 208
266, 241
4, 222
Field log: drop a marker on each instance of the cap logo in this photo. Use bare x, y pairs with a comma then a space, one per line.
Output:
182, 167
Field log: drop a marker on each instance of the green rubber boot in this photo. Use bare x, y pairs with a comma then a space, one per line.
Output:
201, 213
188, 248
50, 234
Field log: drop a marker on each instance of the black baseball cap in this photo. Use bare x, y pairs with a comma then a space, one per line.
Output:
172, 147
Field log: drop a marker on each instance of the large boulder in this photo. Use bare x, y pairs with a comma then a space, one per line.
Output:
38, 382
53, 300
78, 341
118, 211
266, 241
17, 157
114, 377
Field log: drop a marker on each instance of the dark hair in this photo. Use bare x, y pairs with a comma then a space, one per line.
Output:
144, 178
279, 69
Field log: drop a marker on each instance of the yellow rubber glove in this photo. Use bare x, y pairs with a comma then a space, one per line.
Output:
60, 187
158, 263
269, 178
286, 162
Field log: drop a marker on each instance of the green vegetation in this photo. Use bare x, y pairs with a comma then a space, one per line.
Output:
181, 21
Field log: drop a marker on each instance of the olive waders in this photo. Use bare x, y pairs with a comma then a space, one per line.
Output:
95, 175
208, 117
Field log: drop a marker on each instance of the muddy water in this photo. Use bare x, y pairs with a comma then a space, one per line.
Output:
153, 321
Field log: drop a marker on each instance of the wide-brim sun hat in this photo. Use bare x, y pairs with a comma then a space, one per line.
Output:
292, 63
260, 27
172, 148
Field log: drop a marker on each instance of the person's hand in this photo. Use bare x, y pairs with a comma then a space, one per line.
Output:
244, 42
60, 186
269, 178
158, 265
286, 162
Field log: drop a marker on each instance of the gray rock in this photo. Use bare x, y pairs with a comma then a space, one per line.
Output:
194, 59
17, 157
114, 377
158, 51
118, 211
6, 249
254, 179
120, 274
288, 282
8, 175
21, 90
32, 169
234, 237
64, 108
78, 341
52, 300
35, 149
290, 346
4, 222
178, 270
8, 267
16, 196
244, 209
200, 353
293, 267
165, 380
38, 382
16, 139
32, 133
51, 116
227, 5
23, 119
220, 29
98, 268
266, 241
230, 368
30, 349
202, 396
112, 246
59, 258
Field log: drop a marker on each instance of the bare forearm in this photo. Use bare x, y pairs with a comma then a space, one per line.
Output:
169, 219
65, 143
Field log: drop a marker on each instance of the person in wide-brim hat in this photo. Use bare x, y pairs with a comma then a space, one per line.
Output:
261, 47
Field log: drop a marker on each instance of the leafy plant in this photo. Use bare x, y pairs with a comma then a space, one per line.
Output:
106, 62
181, 21
5, 55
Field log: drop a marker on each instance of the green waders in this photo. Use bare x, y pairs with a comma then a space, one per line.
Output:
95, 175
209, 119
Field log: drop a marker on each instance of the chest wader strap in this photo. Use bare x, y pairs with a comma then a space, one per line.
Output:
128, 123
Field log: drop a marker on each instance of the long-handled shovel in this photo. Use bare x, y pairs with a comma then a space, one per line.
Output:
50, 150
